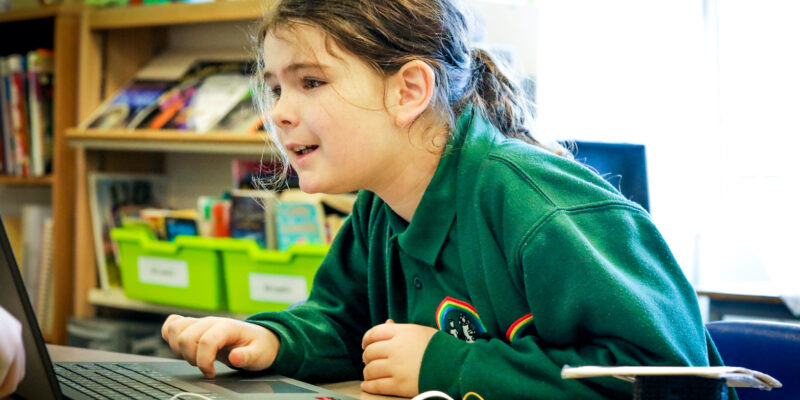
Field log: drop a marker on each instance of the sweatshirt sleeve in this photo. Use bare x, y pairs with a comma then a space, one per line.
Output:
321, 338
603, 289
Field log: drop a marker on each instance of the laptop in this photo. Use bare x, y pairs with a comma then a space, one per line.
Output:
45, 380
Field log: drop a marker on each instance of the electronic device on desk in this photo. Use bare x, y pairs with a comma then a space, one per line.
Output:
127, 380
622, 165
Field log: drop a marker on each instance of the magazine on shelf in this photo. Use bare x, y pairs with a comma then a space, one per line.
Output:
115, 197
218, 94
243, 117
193, 90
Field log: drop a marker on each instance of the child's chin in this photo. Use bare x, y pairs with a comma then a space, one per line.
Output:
310, 186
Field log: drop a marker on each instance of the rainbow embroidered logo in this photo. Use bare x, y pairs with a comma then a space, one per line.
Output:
518, 326
459, 319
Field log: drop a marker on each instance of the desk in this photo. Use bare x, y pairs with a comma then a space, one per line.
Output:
65, 353
747, 300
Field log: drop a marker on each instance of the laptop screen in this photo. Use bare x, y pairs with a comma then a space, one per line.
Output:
40, 380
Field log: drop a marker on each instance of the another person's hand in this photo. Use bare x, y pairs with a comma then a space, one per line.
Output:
12, 353
393, 357
236, 343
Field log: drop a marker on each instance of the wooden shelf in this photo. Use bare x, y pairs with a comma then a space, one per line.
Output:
48, 11
27, 181
167, 141
115, 298
176, 14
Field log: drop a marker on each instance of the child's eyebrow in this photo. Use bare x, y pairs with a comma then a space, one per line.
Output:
293, 68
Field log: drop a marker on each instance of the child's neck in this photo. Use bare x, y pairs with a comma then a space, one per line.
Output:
414, 173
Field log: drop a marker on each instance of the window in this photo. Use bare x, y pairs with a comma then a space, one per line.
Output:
713, 91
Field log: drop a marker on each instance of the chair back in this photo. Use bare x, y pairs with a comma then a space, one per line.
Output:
769, 347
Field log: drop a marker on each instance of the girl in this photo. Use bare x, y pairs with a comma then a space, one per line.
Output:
479, 257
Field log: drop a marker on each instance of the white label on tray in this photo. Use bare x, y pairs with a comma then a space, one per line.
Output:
276, 288
163, 272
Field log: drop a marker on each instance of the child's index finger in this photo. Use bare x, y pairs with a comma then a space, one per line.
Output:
378, 333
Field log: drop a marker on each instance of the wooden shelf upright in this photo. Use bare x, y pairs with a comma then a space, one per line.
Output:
64, 20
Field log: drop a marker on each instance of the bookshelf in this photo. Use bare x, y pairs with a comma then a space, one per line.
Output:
115, 298
48, 11
166, 140
115, 43
175, 14
30, 181
57, 26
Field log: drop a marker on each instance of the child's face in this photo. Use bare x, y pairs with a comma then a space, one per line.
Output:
330, 114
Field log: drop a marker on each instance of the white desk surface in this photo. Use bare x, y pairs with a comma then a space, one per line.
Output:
66, 353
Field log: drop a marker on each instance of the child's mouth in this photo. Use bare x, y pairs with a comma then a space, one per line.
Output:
302, 150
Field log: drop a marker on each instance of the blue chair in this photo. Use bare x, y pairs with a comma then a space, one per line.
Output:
769, 347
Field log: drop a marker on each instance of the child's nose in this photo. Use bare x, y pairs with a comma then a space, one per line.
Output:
282, 114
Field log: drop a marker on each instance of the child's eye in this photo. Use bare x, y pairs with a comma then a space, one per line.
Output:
276, 92
311, 83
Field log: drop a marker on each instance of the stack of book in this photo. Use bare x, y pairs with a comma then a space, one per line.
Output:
26, 113
184, 91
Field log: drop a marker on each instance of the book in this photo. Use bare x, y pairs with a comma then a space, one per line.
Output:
128, 105
215, 97
15, 68
33, 220
188, 69
179, 226
40, 100
205, 220
252, 216
113, 195
5, 122
137, 103
310, 218
243, 117
299, 222
43, 304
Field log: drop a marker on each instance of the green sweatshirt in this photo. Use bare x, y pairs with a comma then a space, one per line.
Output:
524, 261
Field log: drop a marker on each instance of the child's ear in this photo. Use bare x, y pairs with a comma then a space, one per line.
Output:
412, 88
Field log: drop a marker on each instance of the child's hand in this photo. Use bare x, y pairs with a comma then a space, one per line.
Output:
393, 357
12, 353
235, 343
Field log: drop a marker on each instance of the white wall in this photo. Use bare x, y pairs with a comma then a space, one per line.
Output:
510, 26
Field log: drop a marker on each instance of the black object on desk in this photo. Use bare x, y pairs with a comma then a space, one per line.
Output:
679, 388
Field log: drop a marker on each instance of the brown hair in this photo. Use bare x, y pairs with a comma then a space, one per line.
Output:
386, 34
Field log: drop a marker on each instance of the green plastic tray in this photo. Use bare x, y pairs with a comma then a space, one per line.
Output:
215, 273
268, 280
186, 272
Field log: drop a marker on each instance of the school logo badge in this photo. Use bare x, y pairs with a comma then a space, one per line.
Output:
518, 326
459, 319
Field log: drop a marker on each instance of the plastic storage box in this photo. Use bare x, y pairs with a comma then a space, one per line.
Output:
268, 280
215, 273
186, 272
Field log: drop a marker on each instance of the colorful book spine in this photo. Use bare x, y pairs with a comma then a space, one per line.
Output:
40, 76
19, 113
9, 135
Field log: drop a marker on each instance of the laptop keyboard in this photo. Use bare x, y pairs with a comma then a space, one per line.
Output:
117, 381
